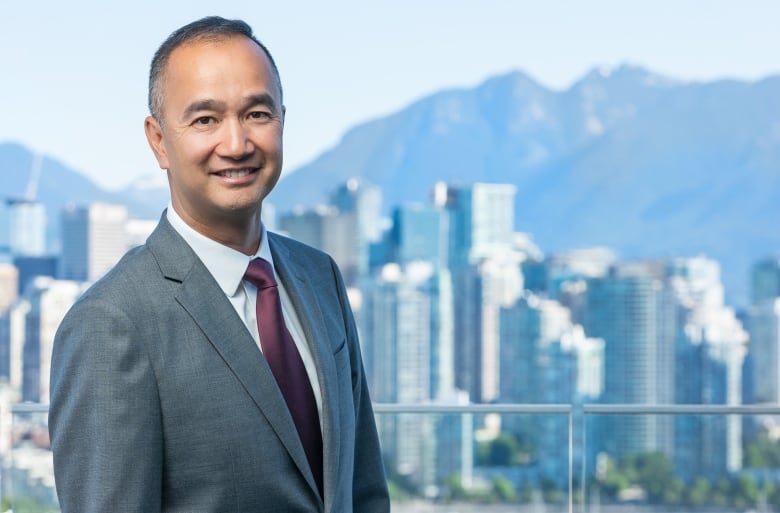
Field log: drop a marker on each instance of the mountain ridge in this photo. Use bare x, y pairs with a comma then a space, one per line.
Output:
628, 158
631, 159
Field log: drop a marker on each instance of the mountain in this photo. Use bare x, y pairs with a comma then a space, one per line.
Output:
626, 158
59, 185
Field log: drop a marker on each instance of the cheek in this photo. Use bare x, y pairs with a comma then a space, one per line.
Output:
269, 140
190, 150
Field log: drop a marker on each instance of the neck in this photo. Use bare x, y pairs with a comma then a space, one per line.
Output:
241, 232
244, 238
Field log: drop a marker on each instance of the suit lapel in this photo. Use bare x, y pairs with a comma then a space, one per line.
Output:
205, 302
303, 294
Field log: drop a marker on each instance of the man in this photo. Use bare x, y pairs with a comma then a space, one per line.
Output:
167, 395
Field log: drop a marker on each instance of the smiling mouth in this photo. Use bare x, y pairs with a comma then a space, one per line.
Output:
236, 173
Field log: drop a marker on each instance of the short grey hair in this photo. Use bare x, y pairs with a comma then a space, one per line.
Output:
210, 28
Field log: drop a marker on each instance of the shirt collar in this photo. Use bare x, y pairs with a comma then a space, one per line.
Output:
225, 264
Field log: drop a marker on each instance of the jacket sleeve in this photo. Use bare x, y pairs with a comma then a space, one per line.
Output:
104, 418
369, 487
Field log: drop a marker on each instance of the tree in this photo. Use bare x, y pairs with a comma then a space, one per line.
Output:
655, 475
526, 493
720, 496
744, 492
504, 490
774, 497
762, 453
615, 480
699, 492
501, 452
396, 494
553, 496
454, 489
673, 495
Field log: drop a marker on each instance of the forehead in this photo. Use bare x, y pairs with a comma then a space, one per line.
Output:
223, 63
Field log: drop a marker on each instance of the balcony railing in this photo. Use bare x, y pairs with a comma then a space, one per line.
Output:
558, 458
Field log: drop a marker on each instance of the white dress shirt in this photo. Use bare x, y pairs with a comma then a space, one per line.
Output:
228, 266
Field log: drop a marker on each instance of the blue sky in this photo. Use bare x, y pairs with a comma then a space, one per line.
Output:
73, 74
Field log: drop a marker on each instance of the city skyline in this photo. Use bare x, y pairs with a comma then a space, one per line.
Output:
481, 319
38, 241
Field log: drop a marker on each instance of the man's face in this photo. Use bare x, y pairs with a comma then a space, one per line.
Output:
221, 138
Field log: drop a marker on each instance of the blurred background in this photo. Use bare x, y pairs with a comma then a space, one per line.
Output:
557, 222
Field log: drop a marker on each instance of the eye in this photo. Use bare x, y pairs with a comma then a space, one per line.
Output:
204, 121
260, 115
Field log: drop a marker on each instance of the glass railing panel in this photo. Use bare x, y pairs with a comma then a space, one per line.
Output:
680, 458
477, 458
27, 472
486, 458
501, 458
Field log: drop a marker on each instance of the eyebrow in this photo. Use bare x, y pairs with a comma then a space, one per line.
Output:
261, 99
201, 105
214, 105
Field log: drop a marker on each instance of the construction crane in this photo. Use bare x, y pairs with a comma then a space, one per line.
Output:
35, 176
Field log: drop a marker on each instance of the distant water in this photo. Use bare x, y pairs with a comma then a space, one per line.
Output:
427, 507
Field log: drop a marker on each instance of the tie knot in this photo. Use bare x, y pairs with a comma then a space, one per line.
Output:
260, 274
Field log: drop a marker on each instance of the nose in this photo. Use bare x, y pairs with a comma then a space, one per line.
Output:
235, 142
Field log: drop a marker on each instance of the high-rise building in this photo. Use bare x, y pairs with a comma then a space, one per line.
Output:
307, 225
482, 221
93, 240
710, 352
696, 282
467, 307
407, 317
764, 326
563, 276
345, 229
419, 233
545, 358
576, 265
362, 203
454, 439
5, 230
9, 285
501, 280
30, 267
632, 311
763, 321
481, 290
481, 233
26, 227
14, 333
528, 329
328, 229
355, 197
5, 350
765, 280
49, 300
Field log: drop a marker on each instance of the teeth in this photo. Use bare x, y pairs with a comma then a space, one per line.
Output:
236, 174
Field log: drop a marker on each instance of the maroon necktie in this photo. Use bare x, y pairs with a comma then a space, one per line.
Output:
286, 364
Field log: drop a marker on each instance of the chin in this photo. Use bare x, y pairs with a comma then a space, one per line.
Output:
246, 209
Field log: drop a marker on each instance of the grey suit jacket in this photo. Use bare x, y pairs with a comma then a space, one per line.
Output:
162, 402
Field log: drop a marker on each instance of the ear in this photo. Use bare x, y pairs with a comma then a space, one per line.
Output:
154, 135
284, 113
